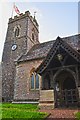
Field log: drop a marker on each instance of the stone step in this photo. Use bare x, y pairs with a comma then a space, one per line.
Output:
46, 99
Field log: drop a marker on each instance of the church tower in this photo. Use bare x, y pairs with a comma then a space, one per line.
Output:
22, 34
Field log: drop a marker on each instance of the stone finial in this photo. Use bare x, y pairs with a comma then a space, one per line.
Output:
21, 14
58, 37
27, 13
15, 17
10, 19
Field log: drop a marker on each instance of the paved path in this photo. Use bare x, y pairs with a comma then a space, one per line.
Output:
61, 114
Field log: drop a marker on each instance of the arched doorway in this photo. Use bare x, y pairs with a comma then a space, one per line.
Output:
66, 94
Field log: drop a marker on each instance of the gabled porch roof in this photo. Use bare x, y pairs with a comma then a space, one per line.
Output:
60, 42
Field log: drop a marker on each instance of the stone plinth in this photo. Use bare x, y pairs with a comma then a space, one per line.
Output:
46, 99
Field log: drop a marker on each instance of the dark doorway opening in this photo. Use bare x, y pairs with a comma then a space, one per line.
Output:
46, 82
69, 83
66, 93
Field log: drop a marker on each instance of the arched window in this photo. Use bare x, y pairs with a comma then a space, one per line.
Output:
34, 81
37, 81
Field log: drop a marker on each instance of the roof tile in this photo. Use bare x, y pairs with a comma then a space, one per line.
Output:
41, 50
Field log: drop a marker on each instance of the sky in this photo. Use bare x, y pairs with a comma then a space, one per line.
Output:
54, 18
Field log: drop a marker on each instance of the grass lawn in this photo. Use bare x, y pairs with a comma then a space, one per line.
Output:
21, 112
77, 115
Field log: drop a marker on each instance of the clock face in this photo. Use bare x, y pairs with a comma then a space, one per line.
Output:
14, 47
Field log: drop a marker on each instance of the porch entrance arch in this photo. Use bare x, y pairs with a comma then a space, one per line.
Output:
65, 89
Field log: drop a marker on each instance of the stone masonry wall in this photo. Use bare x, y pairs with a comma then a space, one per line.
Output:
32, 29
22, 89
23, 46
8, 66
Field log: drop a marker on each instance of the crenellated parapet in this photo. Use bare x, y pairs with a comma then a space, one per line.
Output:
21, 16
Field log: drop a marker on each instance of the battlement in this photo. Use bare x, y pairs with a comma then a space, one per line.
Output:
21, 16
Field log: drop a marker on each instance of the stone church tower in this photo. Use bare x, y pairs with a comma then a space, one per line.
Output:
22, 34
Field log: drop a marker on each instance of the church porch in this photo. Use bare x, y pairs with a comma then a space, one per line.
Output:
59, 90
60, 77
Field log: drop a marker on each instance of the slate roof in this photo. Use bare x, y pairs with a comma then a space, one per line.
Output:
41, 50
37, 51
73, 41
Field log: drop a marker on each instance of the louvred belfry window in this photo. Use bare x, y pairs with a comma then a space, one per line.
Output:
17, 32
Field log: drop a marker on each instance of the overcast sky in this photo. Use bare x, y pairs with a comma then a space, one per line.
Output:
54, 18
